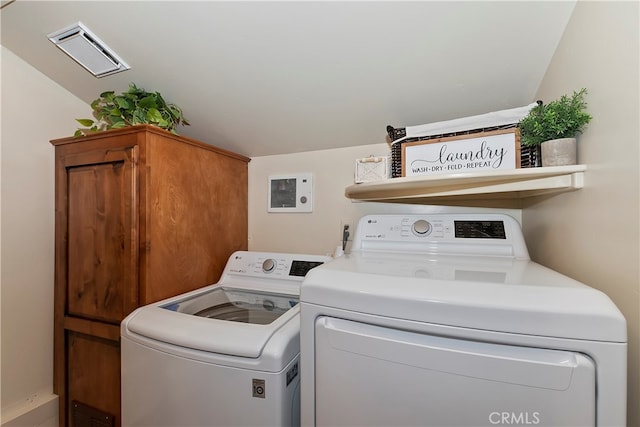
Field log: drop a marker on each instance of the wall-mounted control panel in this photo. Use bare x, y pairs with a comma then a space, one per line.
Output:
290, 193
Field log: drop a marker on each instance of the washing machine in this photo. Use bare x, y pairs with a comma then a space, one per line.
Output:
443, 320
223, 355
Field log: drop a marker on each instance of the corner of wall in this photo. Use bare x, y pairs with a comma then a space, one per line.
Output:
37, 412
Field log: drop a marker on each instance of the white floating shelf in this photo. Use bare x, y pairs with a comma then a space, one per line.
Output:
509, 189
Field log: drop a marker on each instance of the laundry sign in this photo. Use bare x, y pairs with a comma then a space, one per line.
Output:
482, 151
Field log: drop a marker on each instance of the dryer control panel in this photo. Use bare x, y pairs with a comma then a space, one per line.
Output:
468, 234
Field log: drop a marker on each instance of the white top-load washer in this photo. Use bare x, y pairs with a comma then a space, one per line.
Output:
223, 355
443, 320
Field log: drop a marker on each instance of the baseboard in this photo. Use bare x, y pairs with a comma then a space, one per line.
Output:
40, 413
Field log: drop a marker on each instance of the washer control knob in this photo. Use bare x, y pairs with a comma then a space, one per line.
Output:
421, 228
269, 265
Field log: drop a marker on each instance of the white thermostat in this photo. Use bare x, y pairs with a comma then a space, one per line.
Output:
290, 193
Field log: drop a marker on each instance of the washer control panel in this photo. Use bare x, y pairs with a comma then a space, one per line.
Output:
274, 265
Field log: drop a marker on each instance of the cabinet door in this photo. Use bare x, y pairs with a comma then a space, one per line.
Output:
101, 230
93, 397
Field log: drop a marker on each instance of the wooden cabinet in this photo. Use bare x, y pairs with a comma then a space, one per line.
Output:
141, 215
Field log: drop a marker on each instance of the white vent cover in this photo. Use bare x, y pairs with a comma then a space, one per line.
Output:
88, 50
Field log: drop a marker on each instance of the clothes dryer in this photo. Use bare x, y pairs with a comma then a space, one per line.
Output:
223, 355
443, 320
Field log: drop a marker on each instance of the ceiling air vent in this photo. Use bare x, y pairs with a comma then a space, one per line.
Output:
88, 50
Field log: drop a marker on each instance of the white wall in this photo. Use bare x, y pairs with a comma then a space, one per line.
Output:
35, 110
593, 234
318, 232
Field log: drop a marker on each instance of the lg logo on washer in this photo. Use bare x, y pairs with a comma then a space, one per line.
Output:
514, 418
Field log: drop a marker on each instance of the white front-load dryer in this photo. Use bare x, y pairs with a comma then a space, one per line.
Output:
223, 355
443, 320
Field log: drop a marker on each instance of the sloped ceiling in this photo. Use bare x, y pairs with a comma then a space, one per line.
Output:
263, 78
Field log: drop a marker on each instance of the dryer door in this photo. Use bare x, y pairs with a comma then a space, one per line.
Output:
375, 376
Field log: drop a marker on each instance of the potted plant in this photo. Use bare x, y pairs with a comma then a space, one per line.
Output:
555, 126
133, 107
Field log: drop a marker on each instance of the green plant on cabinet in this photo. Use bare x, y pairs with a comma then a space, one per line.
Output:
133, 107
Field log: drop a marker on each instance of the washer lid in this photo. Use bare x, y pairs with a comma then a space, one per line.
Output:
237, 322
489, 293
235, 305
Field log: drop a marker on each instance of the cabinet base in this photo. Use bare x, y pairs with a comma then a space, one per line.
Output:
86, 416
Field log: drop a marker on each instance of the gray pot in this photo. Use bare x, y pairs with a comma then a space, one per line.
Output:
559, 152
